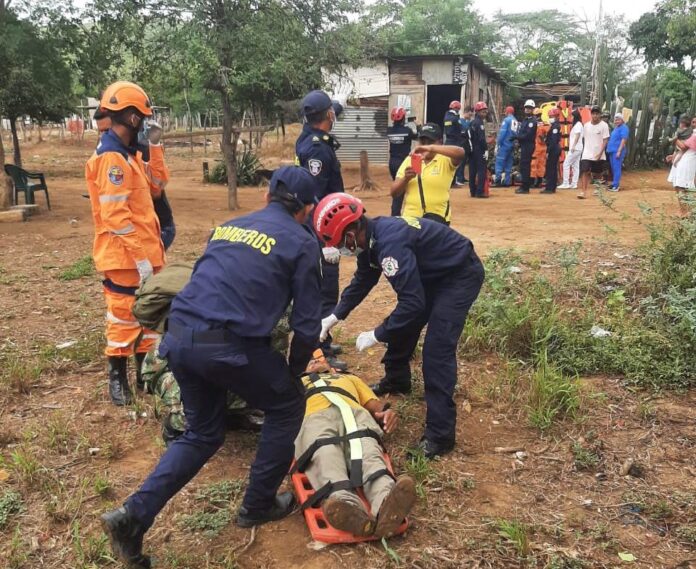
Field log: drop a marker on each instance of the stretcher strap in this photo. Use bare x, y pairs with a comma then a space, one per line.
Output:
305, 458
330, 487
317, 390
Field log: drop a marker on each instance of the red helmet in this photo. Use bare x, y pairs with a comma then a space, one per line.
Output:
554, 112
455, 105
509, 110
398, 114
480, 106
333, 214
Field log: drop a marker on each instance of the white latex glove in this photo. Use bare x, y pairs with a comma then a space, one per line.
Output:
485, 155
365, 340
144, 269
154, 133
331, 255
326, 324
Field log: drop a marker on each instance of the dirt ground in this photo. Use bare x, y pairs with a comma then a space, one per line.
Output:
71, 454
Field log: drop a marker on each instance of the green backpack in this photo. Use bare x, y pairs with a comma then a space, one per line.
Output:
155, 295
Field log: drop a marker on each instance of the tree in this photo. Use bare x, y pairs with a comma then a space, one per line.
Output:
675, 84
667, 34
412, 27
36, 80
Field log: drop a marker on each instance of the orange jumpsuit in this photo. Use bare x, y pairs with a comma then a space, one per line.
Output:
539, 156
126, 230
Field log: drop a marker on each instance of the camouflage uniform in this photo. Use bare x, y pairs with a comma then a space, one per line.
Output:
159, 380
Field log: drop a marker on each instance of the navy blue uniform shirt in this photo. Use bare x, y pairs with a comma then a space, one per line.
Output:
526, 133
412, 253
453, 128
400, 137
252, 268
316, 152
477, 134
553, 138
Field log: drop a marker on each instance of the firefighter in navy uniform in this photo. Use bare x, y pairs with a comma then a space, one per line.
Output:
553, 152
454, 136
219, 338
436, 276
400, 137
526, 136
478, 168
315, 150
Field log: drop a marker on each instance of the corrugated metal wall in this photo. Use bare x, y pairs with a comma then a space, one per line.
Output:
362, 129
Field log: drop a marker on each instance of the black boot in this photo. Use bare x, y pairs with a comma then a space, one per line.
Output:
118, 381
386, 386
126, 536
431, 449
139, 383
284, 505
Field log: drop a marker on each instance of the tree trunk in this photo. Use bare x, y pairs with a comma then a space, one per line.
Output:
229, 149
5, 182
15, 142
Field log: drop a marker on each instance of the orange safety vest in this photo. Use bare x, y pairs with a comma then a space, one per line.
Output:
121, 188
539, 156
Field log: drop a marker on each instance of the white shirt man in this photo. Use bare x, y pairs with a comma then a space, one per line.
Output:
596, 135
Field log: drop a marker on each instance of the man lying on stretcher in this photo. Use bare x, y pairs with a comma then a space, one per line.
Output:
339, 449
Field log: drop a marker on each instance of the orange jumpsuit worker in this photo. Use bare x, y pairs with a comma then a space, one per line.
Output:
539, 156
127, 244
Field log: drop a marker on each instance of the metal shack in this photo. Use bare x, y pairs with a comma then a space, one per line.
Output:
423, 84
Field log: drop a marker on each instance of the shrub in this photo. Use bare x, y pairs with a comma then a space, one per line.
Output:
247, 165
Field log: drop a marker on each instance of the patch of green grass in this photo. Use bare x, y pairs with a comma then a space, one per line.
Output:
10, 504
58, 433
218, 500
391, 554
17, 556
90, 550
26, 467
102, 485
563, 562
83, 267
420, 469
687, 534
585, 458
552, 396
516, 533
18, 371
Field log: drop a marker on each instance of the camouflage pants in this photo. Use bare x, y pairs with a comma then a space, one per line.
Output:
159, 380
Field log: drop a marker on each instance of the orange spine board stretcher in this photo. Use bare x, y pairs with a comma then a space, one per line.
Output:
319, 526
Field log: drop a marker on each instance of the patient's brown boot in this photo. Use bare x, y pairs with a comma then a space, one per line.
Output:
396, 506
348, 516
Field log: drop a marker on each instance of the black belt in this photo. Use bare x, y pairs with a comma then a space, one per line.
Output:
214, 336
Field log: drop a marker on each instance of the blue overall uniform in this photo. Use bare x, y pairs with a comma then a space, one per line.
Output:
617, 135
437, 276
506, 143
459, 175
399, 137
553, 153
316, 151
477, 162
452, 128
526, 136
218, 339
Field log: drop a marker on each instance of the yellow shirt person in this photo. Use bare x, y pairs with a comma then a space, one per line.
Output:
346, 382
436, 177
431, 197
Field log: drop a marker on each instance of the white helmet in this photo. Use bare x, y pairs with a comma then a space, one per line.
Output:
529, 103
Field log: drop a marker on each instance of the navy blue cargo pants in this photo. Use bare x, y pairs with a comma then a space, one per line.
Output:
526, 152
397, 202
206, 366
478, 170
447, 305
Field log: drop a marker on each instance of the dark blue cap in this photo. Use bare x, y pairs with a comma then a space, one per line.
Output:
431, 131
318, 101
295, 183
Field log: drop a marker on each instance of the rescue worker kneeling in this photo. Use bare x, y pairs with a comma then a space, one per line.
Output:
339, 407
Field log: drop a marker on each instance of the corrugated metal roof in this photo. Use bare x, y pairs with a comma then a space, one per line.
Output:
362, 129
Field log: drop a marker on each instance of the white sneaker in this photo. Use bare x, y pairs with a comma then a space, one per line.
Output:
575, 187
564, 187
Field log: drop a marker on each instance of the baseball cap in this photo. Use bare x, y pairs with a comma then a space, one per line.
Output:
294, 182
431, 131
618, 116
595, 109
318, 101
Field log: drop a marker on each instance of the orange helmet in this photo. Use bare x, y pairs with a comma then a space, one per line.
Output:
398, 114
554, 112
124, 94
455, 105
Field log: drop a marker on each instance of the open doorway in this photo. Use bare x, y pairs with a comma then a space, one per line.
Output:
439, 99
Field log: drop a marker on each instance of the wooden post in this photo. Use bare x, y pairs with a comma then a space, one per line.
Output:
632, 140
366, 182
583, 91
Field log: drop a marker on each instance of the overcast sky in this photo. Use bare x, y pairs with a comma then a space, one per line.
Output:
632, 9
